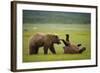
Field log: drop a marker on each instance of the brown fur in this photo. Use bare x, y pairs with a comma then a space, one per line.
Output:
71, 48
43, 40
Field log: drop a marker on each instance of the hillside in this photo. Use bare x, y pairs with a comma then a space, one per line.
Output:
44, 17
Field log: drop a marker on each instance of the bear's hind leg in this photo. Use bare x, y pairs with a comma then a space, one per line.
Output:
79, 45
32, 50
82, 49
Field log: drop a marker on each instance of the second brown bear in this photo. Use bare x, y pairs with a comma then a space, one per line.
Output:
70, 48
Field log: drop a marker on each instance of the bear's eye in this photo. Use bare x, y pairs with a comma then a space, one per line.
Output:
56, 36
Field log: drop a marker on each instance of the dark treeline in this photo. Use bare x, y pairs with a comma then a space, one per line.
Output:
51, 17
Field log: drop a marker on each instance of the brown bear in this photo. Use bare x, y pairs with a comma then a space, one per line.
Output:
46, 41
71, 48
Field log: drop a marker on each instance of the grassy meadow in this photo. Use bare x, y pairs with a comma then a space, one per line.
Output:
79, 33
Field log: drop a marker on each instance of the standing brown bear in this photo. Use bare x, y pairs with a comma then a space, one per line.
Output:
46, 41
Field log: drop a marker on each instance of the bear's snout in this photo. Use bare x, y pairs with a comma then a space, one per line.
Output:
58, 42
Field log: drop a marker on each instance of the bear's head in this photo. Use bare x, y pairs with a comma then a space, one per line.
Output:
55, 39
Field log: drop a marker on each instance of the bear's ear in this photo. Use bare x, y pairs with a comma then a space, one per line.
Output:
56, 36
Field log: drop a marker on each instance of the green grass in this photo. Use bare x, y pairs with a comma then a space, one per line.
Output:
79, 33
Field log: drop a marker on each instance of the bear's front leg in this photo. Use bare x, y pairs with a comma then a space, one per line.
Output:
52, 49
36, 50
45, 50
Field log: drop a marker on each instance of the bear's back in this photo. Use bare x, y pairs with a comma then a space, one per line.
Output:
37, 39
